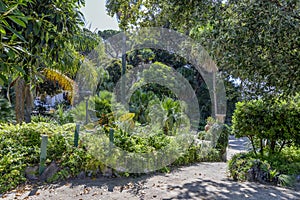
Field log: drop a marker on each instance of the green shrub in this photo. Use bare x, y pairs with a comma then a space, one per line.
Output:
6, 111
99, 108
20, 147
196, 153
279, 169
287, 162
278, 122
42, 118
223, 140
240, 164
168, 113
140, 143
139, 102
63, 116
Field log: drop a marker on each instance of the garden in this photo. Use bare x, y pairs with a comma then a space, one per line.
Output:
62, 110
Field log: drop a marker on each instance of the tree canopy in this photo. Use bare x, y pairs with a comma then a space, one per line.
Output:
36, 34
254, 41
43, 31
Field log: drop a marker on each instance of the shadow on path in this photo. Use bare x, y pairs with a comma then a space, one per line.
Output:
198, 181
209, 189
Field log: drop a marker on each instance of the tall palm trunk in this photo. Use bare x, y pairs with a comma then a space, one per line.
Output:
23, 105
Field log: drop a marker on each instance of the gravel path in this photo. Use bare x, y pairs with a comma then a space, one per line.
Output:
199, 181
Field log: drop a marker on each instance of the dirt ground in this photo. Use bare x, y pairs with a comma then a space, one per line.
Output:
198, 181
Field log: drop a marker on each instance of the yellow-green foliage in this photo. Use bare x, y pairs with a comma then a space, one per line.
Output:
65, 82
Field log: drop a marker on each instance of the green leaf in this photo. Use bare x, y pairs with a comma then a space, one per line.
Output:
2, 30
36, 29
3, 79
10, 10
17, 34
20, 69
11, 53
17, 21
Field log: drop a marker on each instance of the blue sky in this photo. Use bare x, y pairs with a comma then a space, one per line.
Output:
96, 17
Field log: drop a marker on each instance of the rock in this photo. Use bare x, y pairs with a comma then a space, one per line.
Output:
107, 172
90, 173
98, 173
81, 175
116, 174
250, 175
256, 173
49, 171
31, 173
33, 192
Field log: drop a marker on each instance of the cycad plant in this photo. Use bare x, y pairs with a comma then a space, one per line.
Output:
169, 113
139, 103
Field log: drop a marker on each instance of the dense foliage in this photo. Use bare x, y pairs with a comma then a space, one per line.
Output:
20, 145
273, 129
20, 149
41, 31
280, 169
35, 34
277, 123
255, 41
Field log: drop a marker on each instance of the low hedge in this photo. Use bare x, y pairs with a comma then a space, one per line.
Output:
20, 148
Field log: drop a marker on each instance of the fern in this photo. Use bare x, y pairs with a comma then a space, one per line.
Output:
286, 180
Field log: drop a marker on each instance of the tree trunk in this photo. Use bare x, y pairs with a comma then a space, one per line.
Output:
23, 101
20, 96
272, 146
281, 146
28, 104
261, 147
252, 143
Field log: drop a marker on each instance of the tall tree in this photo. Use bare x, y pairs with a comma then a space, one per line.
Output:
256, 41
45, 30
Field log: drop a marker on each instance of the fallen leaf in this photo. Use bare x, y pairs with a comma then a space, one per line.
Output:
96, 193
